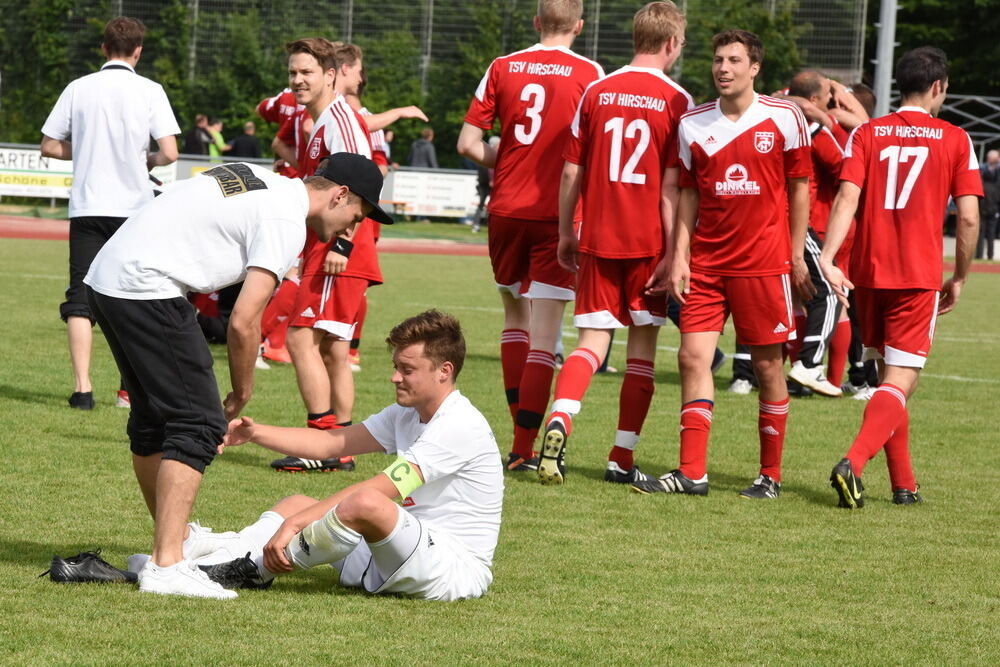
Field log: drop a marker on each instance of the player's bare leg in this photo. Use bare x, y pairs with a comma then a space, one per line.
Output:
571, 385
514, 346
176, 487
146, 470
80, 335
772, 419
310, 371
536, 381
633, 404
334, 352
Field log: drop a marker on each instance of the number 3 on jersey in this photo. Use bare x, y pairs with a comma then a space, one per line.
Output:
897, 155
615, 171
534, 95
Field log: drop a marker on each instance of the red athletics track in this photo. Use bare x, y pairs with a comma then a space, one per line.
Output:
16, 227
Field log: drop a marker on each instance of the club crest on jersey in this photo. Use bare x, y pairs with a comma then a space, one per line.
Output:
314, 147
763, 141
737, 182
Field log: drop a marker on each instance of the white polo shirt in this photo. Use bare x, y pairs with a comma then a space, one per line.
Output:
203, 233
109, 116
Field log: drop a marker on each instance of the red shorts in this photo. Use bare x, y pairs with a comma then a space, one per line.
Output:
610, 293
897, 324
524, 258
330, 303
761, 307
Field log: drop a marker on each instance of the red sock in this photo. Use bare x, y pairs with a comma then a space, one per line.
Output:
534, 392
794, 346
696, 422
897, 457
771, 421
324, 421
839, 344
883, 414
277, 311
633, 406
513, 353
571, 385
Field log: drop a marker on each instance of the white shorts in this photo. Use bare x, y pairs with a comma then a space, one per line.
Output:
417, 560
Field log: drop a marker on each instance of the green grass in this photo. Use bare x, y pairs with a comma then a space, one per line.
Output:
586, 573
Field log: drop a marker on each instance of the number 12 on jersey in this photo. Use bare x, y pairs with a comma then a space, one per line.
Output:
619, 132
897, 155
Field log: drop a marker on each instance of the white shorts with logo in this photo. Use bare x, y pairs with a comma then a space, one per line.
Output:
417, 560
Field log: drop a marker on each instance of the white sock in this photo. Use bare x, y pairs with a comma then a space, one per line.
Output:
258, 534
322, 542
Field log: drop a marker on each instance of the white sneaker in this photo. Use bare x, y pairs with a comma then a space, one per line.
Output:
183, 578
814, 379
136, 562
864, 394
741, 386
202, 541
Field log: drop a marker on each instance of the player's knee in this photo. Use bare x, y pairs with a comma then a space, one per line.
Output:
692, 360
359, 507
290, 505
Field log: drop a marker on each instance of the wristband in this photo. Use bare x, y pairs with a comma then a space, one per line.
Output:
403, 476
342, 247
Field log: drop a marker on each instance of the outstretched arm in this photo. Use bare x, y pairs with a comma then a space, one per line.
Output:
472, 146
380, 121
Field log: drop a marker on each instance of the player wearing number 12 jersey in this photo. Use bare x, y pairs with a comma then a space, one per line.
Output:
622, 159
745, 165
899, 171
533, 93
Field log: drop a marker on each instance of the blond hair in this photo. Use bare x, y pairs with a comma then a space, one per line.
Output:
557, 17
655, 24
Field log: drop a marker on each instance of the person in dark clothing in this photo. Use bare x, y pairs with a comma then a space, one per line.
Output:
197, 139
247, 144
989, 205
422, 152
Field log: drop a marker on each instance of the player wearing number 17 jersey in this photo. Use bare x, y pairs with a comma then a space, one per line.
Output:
622, 159
898, 173
533, 93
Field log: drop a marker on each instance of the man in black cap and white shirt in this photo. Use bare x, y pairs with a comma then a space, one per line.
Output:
233, 222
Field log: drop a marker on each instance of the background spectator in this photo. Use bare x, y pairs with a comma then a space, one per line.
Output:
197, 139
247, 144
422, 152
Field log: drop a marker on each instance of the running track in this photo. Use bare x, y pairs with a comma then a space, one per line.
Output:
16, 227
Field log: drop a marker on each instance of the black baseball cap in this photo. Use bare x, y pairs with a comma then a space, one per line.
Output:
360, 175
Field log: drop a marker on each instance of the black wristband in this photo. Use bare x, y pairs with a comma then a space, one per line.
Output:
342, 247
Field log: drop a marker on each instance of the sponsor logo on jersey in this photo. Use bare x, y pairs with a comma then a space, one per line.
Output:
408, 502
763, 141
539, 69
908, 131
737, 182
314, 146
235, 179
781, 328
710, 141
308, 312
633, 101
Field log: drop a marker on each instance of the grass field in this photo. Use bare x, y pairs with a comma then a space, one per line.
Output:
586, 574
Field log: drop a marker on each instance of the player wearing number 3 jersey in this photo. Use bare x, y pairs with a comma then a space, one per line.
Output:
533, 93
898, 174
622, 159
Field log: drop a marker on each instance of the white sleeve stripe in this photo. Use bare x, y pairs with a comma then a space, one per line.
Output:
481, 88
973, 162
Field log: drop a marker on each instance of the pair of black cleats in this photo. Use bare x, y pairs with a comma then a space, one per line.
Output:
239, 573
85, 568
517, 463
295, 464
850, 490
763, 488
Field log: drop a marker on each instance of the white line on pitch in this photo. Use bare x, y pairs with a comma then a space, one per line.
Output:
40, 276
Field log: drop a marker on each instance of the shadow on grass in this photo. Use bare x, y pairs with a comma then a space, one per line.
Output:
34, 397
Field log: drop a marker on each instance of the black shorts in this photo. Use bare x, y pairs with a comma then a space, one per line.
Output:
167, 369
87, 235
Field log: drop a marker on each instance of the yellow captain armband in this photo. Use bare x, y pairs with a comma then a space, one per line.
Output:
403, 476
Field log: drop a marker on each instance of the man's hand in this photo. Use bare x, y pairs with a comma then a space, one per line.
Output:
659, 283
680, 280
950, 292
240, 432
275, 559
568, 245
233, 405
412, 112
335, 263
802, 281
838, 281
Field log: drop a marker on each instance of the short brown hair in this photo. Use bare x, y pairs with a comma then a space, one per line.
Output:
557, 17
655, 24
345, 54
319, 48
752, 43
123, 35
440, 333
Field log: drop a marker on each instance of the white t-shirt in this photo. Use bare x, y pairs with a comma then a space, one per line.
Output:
462, 492
203, 233
109, 116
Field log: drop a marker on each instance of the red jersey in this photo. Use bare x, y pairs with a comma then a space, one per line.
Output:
624, 135
279, 108
840, 133
339, 129
534, 93
825, 179
741, 171
907, 164
380, 148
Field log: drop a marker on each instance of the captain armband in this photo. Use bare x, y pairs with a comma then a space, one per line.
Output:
342, 247
404, 476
